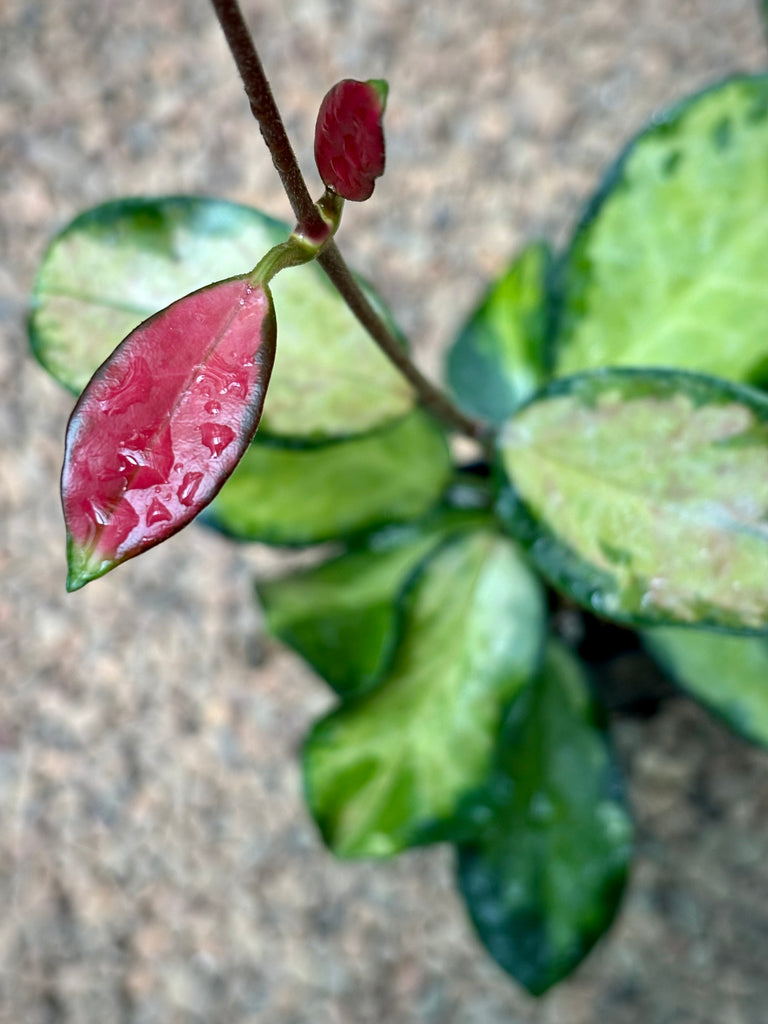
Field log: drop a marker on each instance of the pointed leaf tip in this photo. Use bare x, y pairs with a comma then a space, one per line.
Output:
163, 422
381, 87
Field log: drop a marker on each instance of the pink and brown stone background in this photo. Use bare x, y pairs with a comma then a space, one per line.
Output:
157, 865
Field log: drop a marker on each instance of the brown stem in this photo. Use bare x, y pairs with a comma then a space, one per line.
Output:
265, 111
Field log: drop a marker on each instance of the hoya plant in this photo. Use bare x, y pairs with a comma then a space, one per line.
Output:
612, 392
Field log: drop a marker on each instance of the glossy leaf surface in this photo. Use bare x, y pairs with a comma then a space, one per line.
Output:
727, 673
117, 264
385, 769
544, 877
669, 266
498, 359
342, 616
163, 422
643, 495
285, 495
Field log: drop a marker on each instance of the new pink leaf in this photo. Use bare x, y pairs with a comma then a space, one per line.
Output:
163, 422
349, 138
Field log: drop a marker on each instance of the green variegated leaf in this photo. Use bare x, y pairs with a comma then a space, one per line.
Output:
727, 673
544, 876
644, 494
116, 264
342, 616
669, 267
385, 769
498, 358
282, 495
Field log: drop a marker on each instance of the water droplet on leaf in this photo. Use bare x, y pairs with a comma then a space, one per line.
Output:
541, 809
216, 437
157, 513
115, 521
189, 485
127, 385
136, 430
97, 512
146, 459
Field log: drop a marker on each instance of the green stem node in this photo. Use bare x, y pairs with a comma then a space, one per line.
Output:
304, 244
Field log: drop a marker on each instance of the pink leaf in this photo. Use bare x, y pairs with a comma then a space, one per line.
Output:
349, 138
163, 422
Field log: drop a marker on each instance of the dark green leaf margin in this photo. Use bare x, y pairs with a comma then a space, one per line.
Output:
544, 878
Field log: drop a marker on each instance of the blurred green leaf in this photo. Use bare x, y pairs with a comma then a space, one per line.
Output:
387, 767
669, 266
342, 616
727, 673
117, 264
498, 359
643, 494
543, 879
282, 495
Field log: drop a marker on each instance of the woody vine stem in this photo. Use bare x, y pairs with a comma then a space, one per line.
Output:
265, 110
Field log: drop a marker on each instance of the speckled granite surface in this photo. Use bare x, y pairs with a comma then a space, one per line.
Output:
156, 862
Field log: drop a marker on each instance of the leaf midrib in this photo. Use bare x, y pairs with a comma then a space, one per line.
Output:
382, 782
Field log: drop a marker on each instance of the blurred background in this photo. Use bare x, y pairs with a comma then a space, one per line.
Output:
157, 864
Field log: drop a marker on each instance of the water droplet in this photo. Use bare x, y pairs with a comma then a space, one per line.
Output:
157, 513
227, 376
237, 386
514, 892
481, 814
126, 385
216, 437
540, 548
541, 810
212, 408
98, 513
115, 521
126, 464
614, 822
113, 482
146, 459
189, 485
